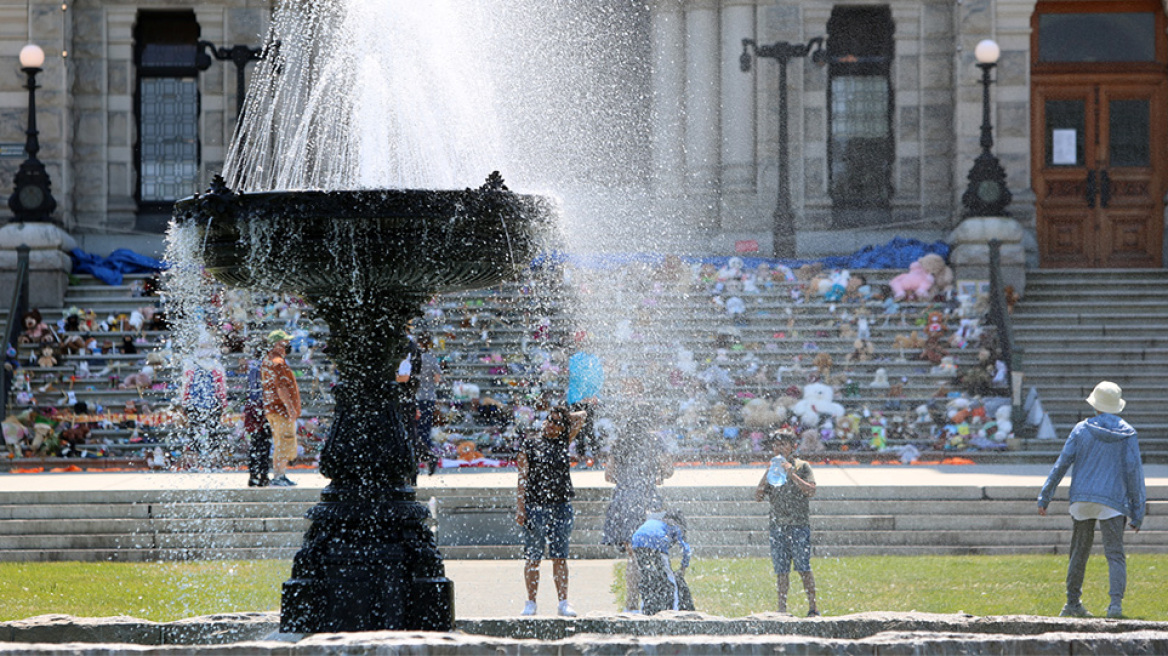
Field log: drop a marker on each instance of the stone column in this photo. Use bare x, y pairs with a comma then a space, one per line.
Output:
667, 145
738, 169
702, 112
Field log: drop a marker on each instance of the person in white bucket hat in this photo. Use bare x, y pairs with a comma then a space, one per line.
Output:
1107, 486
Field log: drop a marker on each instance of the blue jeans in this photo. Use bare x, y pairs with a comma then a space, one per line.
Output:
550, 525
791, 545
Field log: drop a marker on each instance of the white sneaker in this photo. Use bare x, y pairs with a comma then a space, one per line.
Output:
528, 609
566, 610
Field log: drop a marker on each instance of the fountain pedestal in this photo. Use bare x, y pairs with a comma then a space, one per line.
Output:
367, 260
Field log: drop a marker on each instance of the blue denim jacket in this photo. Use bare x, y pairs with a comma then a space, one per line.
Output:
1105, 453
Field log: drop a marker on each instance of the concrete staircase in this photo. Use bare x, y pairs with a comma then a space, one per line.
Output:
479, 523
1081, 327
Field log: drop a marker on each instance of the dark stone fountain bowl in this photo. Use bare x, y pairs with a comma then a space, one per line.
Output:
320, 243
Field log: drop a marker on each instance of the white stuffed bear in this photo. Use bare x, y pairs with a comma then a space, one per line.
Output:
1005, 425
758, 413
818, 400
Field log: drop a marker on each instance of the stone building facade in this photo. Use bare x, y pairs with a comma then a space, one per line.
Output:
883, 125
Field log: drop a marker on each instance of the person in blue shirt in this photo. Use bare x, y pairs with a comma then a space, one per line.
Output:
661, 588
585, 380
1107, 486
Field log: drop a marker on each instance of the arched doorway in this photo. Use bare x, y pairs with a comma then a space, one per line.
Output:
1099, 111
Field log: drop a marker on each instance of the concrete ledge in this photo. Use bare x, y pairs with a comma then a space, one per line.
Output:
674, 633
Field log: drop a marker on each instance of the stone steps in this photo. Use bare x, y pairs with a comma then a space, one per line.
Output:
1080, 327
479, 523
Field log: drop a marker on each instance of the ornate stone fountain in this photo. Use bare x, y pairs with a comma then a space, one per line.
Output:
367, 260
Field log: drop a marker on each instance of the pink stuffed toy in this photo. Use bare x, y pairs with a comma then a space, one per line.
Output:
917, 283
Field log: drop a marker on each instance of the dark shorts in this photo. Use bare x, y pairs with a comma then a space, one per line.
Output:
791, 545
550, 525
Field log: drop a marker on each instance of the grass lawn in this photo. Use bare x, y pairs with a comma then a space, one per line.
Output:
979, 585
149, 591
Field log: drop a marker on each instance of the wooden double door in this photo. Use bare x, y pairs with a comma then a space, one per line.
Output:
1099, 158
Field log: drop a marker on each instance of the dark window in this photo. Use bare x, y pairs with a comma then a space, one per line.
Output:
1129, 133
859, 97
1111, 37
166, 107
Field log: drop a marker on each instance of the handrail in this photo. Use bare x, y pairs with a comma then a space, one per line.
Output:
999, 316
16, 310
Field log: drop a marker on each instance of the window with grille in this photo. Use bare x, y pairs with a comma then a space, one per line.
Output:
166, 107
860, 102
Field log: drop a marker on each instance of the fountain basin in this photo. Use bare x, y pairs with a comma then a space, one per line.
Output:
320, 243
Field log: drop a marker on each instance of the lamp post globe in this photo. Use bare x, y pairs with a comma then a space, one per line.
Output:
987, 52
32, 56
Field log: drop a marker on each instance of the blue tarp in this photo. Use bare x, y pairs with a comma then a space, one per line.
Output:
898, 253
110, 269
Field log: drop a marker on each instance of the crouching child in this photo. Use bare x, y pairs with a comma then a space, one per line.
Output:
661, 587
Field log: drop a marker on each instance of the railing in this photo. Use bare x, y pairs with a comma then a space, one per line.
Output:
999, 317
12, 329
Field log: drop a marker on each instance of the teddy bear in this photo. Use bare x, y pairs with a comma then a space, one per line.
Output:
810, 442
818, 400
46, 359
468, 451
862, 351
36, 331
759, 413
934, 350
942, 275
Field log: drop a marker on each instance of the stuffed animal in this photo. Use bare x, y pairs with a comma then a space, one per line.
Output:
863, 351
818, 399
759, 413
909, 342
810, 442
140, 380
1005, 424
823, 364
935, 266
36, 331
934, 350
46, 358
914, 284
946, 367
468, 451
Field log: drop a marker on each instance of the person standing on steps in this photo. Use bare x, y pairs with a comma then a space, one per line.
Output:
544, 503
255, 425
281, 405
430, 374
1107, 486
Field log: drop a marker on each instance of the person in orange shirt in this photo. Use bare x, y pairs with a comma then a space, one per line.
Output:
281, 405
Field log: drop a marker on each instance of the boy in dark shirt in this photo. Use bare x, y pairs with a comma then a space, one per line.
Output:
790, 523
544, 503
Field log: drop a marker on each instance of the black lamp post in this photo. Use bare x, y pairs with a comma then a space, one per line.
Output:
32, 200
783, 52
987, 194
239, 55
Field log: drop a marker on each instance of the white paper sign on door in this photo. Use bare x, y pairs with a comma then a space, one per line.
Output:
1063, 148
